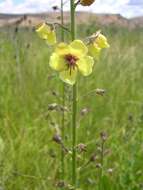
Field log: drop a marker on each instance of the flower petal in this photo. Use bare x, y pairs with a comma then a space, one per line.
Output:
47, 33
62, 49
69, 77
51, 38
101, 41
57, 62
94, 50
43, 30
85, 65
79, 47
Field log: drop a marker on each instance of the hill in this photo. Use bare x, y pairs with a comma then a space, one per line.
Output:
81, 17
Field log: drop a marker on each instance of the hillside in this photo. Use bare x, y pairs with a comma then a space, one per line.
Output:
82, 17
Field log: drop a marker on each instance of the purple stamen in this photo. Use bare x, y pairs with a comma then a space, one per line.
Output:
71, 61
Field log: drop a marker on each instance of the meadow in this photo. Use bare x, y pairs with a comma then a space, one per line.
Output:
111, 126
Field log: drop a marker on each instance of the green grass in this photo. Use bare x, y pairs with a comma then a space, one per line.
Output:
29, 159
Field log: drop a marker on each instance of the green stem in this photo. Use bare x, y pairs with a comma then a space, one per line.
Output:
74, 104
74, 113
62, 20
63, 103
63, 134
72, 5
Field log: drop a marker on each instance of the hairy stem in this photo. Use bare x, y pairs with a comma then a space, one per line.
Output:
63, 104
74, 103
62, 20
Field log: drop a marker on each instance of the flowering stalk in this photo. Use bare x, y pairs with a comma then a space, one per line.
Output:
69, 60
62, 20
63, 102
74, 104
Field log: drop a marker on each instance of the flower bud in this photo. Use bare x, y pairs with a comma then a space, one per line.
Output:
86, 2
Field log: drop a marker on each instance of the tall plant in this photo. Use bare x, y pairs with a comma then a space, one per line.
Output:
69, 60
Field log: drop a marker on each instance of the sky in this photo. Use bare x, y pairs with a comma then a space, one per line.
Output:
127, 8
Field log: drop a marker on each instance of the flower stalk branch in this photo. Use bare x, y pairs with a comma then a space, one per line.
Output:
58, 24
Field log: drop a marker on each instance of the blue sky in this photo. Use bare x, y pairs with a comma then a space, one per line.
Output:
18, 1
127, 8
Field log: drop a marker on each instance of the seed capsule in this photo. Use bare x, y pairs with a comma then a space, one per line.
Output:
103, 136
81, 147
100, 92
93, 157
52, 106
61, 184
57, 138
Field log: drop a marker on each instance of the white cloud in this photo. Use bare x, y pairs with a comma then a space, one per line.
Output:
27, 6
131, 11
6, 6
136, 2
127, 8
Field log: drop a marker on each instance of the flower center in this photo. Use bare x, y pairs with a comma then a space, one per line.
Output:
71, 61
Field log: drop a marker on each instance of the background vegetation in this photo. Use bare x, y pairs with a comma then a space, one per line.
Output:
29, 158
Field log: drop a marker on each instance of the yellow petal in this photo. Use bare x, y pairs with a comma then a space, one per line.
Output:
51, 38
78, 47
62, 49
57, 62
101, 41
45, 32
69, 77
94, 50
85, 65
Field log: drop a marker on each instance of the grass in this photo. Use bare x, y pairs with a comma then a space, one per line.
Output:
29, 159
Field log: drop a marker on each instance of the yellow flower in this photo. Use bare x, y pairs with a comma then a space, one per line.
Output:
97, 42
94, 50
69, 59
101, 41
86, 2
47, 33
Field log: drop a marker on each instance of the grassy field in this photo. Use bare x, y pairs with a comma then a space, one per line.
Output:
29, 159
